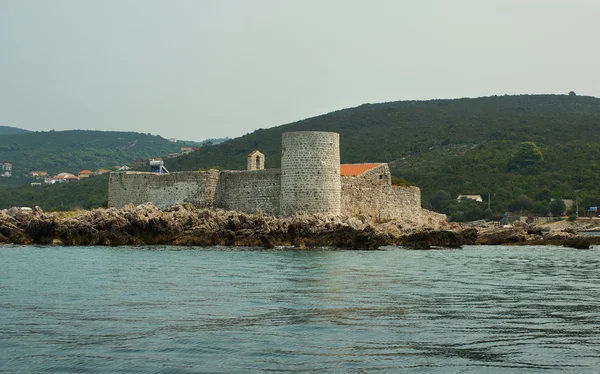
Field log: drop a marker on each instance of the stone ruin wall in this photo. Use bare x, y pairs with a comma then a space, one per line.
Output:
373, 195
163, 190
244, 191
250, 191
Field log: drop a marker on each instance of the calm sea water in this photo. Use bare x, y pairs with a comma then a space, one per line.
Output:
217, 310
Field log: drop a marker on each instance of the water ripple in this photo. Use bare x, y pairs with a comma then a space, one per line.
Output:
157, 310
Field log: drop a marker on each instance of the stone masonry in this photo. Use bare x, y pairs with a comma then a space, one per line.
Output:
310, 172
309, 181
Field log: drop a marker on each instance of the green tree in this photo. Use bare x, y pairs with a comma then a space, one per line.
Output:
557, 207
440, 199
540, 208
523, 202
527, 159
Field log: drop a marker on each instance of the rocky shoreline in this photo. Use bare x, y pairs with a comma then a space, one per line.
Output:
185, 225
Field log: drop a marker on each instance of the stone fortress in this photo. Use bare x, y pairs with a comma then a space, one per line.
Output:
311, 180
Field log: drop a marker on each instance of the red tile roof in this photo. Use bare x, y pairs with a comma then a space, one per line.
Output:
353, 170
252, 153
86, 172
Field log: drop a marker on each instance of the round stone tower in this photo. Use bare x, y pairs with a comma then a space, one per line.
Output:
310, 173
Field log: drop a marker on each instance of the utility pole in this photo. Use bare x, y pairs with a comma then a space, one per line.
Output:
489, 200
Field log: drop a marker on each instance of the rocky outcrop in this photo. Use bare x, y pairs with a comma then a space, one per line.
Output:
524, 235
186, 225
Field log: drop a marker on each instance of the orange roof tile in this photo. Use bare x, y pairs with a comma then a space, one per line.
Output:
353, 170
252, 153
86, 172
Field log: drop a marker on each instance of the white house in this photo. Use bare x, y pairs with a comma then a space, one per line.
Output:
477, 198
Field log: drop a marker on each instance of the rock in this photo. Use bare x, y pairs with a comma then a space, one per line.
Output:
184, 224
439, 238
508, 235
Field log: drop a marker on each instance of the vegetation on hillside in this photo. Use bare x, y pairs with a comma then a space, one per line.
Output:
8, 130
87, 193
76, 150
534, 146
522, 151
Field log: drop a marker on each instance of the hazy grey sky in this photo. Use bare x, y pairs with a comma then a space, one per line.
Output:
201, 69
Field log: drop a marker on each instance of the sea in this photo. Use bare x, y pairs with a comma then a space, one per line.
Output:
165, 309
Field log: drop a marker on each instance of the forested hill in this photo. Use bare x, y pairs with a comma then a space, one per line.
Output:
8, 130
521, 150
451, 147
394, 130
75, 150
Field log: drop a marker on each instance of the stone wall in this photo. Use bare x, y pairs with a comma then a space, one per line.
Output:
163, 190
380, 175
310, 173
379, 201
250, 191
308, 181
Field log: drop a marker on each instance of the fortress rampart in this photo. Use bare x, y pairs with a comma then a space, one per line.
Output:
164, 190
309, 181
249, 191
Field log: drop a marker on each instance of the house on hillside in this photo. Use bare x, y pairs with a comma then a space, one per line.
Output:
37, 174
6, 169
477, 198
185, 151
85, 174
49, 180
65, 177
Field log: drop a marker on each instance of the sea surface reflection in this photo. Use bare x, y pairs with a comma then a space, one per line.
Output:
217, 310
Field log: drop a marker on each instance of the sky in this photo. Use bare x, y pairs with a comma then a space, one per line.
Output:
198, 69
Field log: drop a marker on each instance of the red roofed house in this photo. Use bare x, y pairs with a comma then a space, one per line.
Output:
85, 173
376, 173
367, 190
354, 170
65, 177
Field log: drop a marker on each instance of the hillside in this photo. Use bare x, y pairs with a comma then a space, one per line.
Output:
390, 131
86, 194
451, 147
8, 130
75, 150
